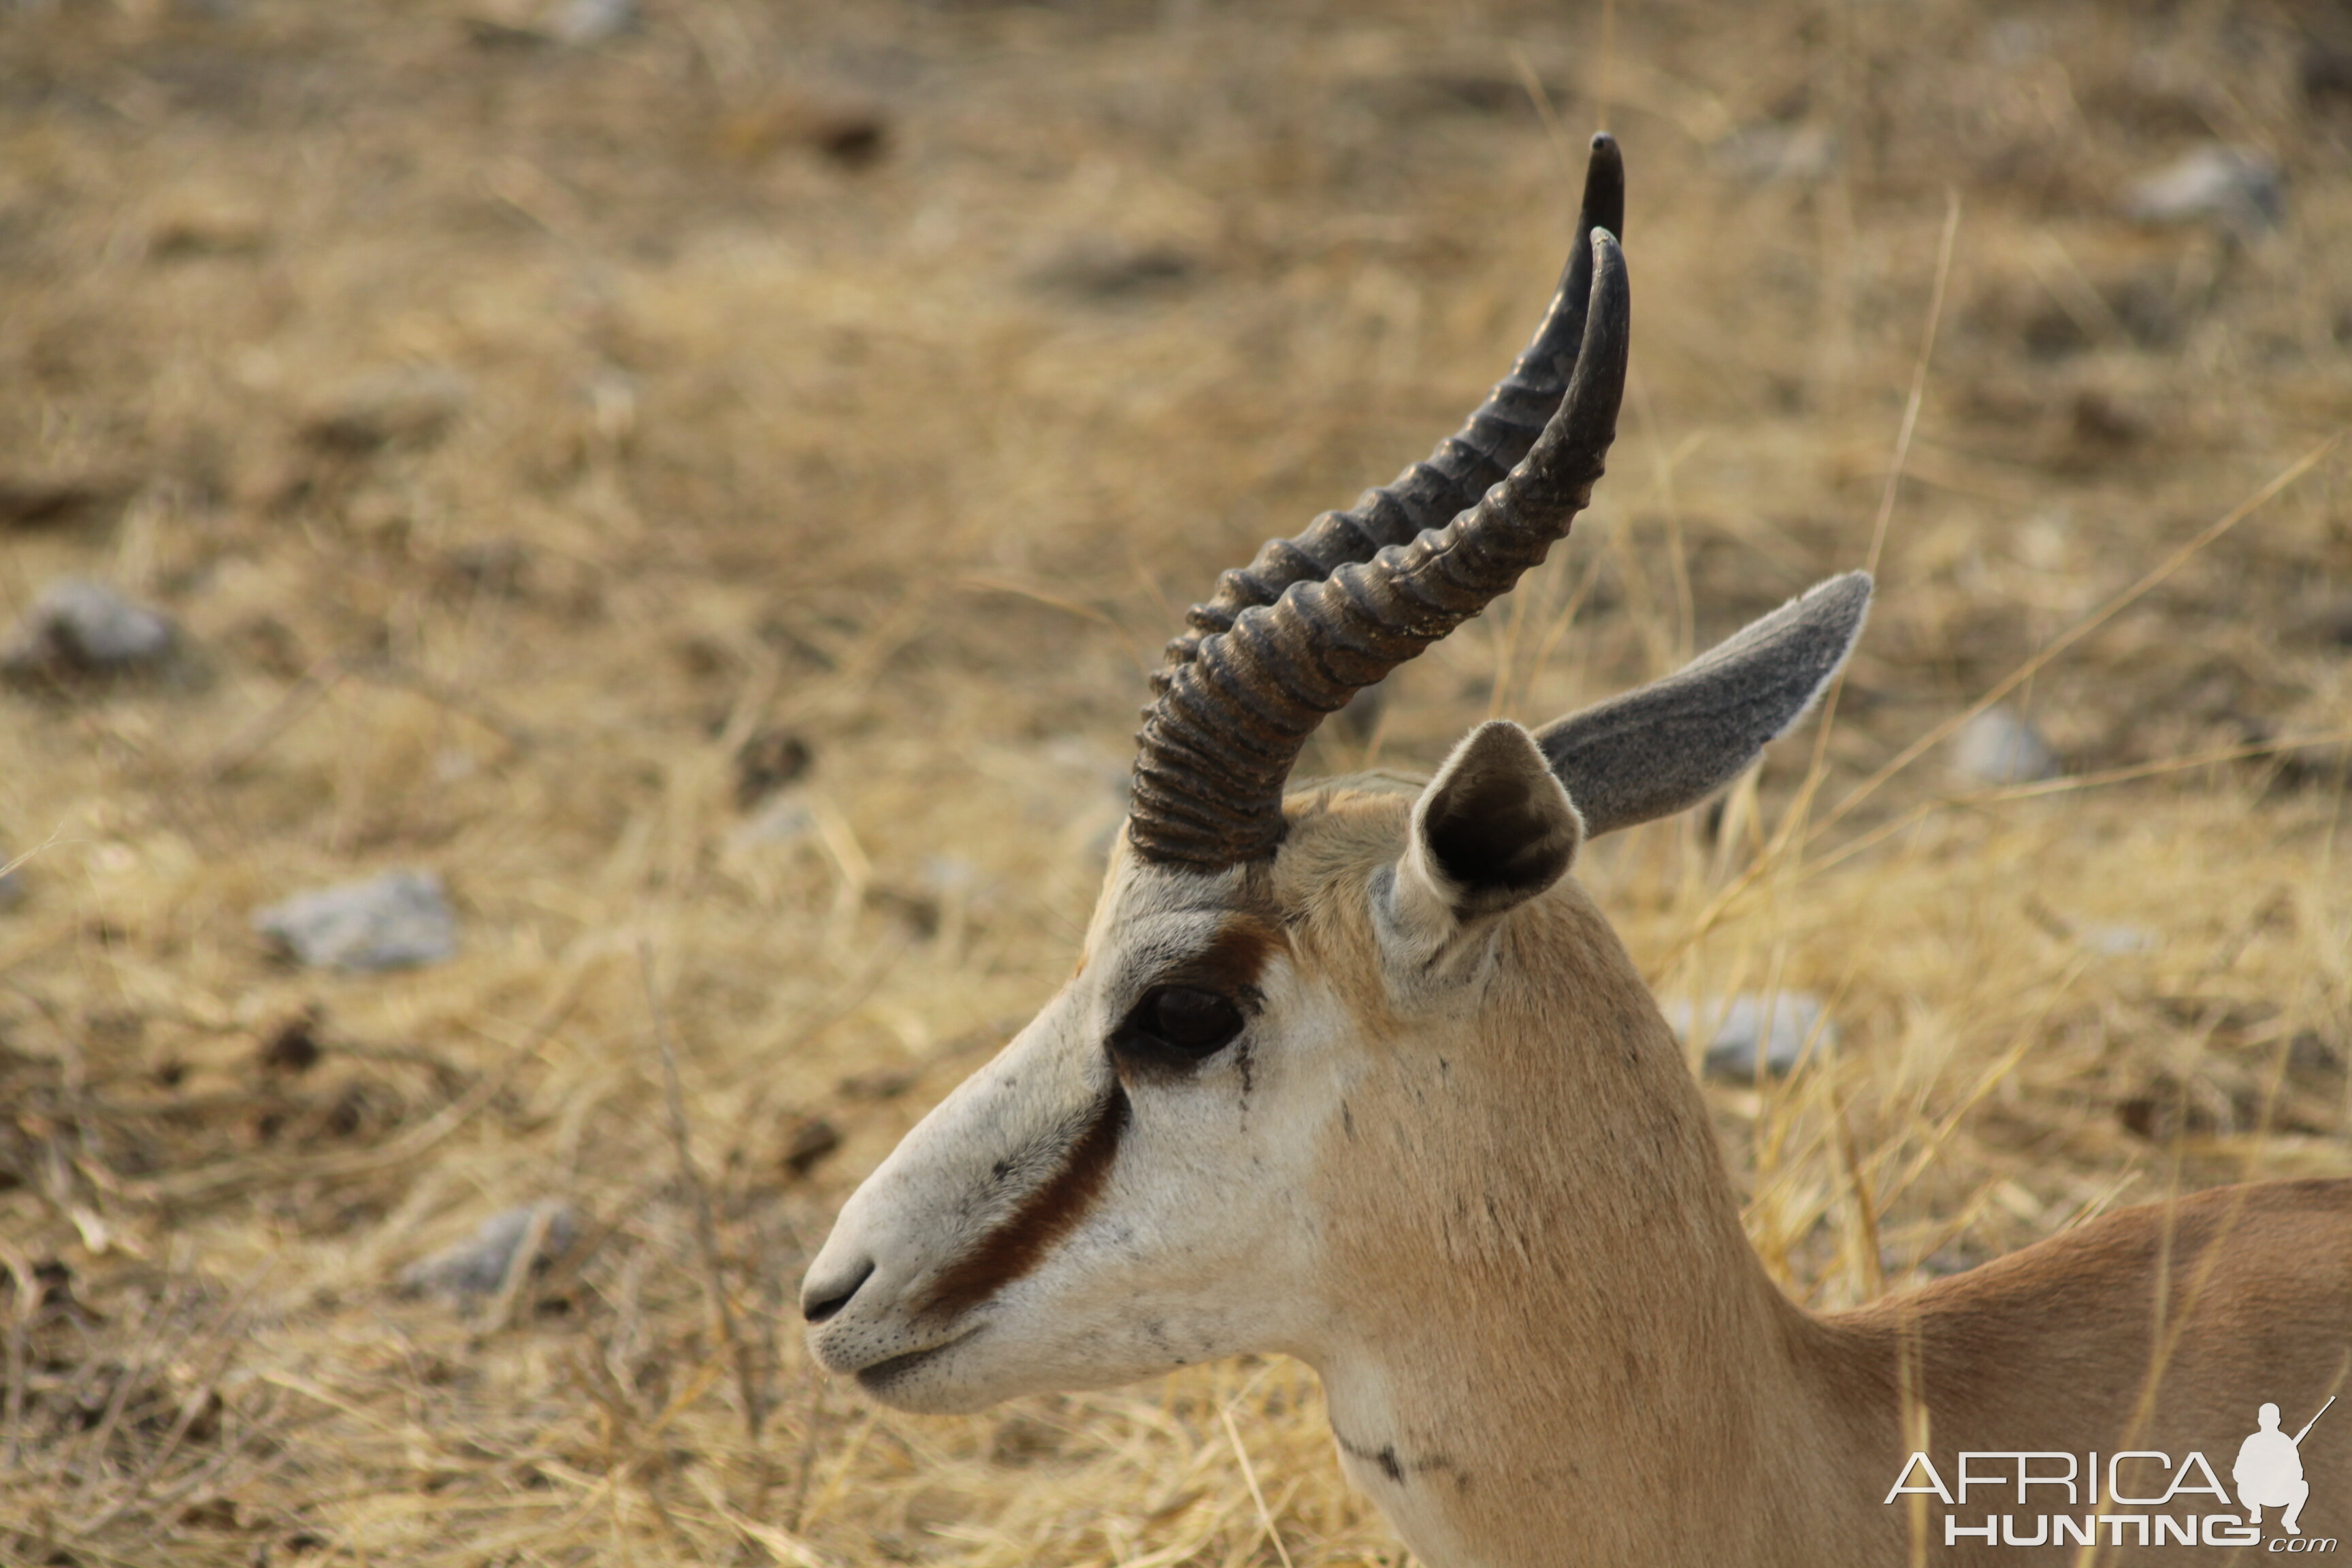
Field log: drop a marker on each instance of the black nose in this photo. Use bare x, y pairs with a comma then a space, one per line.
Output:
821, 1298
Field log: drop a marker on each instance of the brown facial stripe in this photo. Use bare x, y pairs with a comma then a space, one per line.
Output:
1019, 1242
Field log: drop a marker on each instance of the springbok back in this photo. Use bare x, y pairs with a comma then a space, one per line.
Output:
1358, 1073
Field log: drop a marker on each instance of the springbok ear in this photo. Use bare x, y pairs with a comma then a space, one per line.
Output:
1670, 744
1492, 829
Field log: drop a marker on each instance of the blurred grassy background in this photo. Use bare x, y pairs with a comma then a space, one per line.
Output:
527, 413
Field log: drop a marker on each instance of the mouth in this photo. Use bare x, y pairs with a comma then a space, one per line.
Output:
882, 1375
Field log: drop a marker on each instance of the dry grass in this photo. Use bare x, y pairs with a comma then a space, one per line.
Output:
910, 453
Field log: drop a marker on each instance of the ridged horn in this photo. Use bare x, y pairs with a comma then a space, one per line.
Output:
1217, 746
1431, 494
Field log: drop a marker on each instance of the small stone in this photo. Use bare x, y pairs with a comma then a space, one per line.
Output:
1788, 1027
77, 628
397, 920
2120, 940
580, 23
478, 1266
591, 22
409, 407
2234, 188
2000, 747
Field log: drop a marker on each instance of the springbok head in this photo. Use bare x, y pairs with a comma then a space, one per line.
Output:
1308, 1032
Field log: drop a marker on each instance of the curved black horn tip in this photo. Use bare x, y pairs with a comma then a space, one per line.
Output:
1598, 387
1603, 206
1610, 294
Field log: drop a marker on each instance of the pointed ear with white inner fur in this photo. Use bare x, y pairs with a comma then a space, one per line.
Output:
1491, 830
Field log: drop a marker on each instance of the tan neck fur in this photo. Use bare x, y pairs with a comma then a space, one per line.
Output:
1551, 1342
1587, 1343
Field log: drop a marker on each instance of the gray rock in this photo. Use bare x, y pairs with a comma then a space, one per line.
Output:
397, 920
479, 1265
2235, 188
77, 628
2120, 940
1999, 746
583, 22
1788, 1027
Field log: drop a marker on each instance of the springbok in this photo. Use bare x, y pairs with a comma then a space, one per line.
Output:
1360, 1075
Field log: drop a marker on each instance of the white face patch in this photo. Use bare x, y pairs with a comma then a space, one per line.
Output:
1083, 1212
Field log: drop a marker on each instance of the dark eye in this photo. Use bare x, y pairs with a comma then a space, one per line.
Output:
1179, 1025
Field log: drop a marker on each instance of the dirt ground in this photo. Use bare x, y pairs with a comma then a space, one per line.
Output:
708, 482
